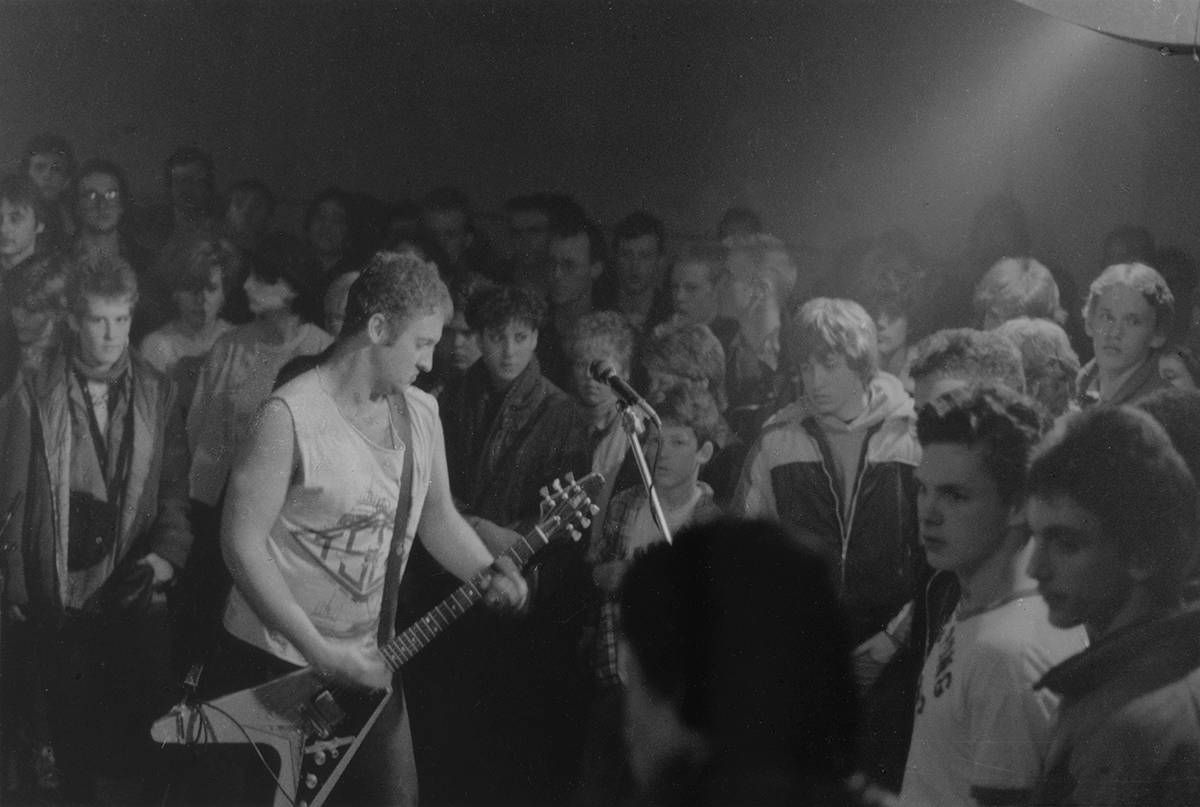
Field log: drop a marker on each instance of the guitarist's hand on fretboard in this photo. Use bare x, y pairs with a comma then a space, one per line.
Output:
315, 729
507, 591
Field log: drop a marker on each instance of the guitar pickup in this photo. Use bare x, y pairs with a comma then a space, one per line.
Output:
322, 714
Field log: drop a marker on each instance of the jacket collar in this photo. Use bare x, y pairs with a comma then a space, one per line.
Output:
1165, 647
886, 400
1142, 380
519, 394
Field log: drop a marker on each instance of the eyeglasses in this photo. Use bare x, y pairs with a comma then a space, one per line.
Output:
109, 196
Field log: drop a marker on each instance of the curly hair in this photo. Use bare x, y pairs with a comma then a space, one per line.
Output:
1004, 424
692, 351
103, 276
400, 286
1049, 362
493, 308
609, 328
693, 408
1118, 463
975, 357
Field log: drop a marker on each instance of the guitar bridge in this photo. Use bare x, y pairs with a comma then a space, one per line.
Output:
322, 714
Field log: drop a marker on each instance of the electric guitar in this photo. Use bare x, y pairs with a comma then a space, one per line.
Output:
314, 727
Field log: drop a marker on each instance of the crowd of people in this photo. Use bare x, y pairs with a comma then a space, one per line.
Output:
935, 521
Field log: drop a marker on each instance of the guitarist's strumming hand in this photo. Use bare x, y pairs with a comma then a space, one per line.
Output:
507, 591
354, 665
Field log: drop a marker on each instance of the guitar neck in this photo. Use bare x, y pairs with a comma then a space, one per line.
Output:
413, 639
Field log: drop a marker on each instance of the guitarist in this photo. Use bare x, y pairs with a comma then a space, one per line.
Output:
335, 459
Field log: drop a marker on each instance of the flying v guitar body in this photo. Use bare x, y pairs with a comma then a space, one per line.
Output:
313, 729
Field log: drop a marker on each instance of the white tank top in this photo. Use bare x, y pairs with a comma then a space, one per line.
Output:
331, 538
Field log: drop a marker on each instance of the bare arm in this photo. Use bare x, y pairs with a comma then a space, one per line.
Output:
258, 486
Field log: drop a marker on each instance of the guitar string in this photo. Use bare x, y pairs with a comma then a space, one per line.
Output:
472, 585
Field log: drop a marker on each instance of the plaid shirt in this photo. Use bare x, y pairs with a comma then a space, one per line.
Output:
622, 519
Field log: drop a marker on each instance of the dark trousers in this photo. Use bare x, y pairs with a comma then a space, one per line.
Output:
104, 680
383, 772
202, 590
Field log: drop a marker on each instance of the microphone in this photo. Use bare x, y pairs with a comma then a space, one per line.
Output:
604, 372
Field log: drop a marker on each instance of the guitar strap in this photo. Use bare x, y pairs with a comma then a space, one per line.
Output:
391, 579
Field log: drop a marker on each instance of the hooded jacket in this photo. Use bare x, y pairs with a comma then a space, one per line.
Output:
1128, 728
35, 442
869, 538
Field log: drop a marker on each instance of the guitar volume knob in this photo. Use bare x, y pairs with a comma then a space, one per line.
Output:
310, 781
319, 758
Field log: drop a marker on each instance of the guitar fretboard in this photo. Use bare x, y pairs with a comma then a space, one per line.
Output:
413, 639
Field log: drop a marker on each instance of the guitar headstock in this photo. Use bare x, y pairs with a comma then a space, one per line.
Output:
567, 504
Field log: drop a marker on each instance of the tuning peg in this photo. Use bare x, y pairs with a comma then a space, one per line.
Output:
544, 493
571, 477
557, 485
585, 521
594, 509
575, 534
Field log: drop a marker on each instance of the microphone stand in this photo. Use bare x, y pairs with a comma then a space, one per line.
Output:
633, 427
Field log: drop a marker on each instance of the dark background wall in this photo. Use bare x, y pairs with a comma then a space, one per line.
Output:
835, 118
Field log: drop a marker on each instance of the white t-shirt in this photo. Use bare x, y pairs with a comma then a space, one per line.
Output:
979, 723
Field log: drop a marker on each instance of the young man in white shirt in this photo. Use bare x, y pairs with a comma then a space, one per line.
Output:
980, 730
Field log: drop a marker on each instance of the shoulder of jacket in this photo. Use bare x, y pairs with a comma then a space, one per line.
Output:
895, 441
786, 441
